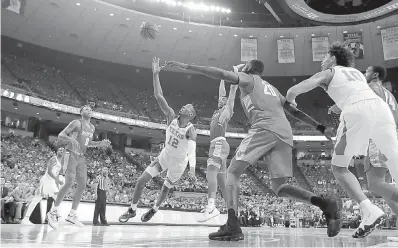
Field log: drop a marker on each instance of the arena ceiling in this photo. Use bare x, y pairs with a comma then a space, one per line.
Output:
99, 30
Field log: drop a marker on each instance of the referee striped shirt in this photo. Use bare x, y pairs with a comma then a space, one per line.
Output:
103, 182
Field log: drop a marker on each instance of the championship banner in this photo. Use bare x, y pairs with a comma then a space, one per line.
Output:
248, 49
320, 47
389, 38
356, 43
286, 51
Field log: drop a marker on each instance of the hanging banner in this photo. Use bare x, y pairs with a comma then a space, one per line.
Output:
320, 47
389, 38
286, 51
356, 43
248, 49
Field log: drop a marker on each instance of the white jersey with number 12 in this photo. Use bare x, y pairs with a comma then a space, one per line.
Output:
176, 144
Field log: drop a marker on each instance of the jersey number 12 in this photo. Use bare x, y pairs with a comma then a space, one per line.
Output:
173, 142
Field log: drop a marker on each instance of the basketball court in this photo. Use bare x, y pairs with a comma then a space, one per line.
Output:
180, 236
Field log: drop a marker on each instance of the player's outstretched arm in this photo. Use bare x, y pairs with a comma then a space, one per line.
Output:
226, 115
221, 90
164, 106
321, 79
303, 117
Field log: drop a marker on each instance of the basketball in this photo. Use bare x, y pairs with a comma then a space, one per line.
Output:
149, 30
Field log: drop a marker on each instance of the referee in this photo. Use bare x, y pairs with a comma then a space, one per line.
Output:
102, 187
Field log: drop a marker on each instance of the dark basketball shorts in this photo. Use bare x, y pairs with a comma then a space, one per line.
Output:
260, 142
75, 164
218, 153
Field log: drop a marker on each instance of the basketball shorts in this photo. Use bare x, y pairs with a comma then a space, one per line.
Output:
218, 153
360, 122
375, 158
175, 167
75, 164
260, 142
48, 187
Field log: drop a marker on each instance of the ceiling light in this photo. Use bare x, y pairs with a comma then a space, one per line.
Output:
111, 14
159, 26
296, 35
266, 36
15, 108
174, 28
78, 4
251, 36
328, 33
344, 32
37, 113
124, 53
228, 11
127, 19
219, 34
312, 35
190, 31
281, 36
235, 35
114, 128
95, 9
378, 27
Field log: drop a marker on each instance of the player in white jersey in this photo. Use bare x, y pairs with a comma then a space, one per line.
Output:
364, 116
49, 183
180, 147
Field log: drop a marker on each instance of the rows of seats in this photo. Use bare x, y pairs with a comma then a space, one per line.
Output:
133, 97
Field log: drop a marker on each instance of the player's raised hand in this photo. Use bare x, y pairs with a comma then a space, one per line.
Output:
176, 64
329, 133
155, 66
334, 109
238, 68
105, 143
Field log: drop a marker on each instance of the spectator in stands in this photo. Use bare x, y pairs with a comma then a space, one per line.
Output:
20, 194
7, 203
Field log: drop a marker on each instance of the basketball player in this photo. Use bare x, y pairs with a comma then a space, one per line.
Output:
49, 183
270, 135
180, 147
219, 150
78, 135
364, 116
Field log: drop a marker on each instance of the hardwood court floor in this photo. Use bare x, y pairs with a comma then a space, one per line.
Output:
178, 236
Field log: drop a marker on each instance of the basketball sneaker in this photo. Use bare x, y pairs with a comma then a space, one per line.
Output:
148, 215
26, 221
73, 219
393, 239
208, 214
52, 218
230, 231
372, 219
331, 208
130, 213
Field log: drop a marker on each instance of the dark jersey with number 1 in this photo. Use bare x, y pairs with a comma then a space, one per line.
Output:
264, 109
84, 134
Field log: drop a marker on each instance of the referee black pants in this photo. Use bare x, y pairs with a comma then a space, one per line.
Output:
100, 207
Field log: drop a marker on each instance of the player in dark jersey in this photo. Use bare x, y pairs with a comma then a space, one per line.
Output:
219, 150
375, 166
270, 135
78, 135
